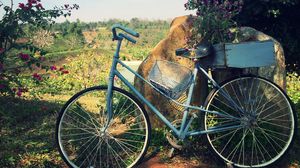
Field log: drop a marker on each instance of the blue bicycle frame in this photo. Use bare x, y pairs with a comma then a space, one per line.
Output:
182, 132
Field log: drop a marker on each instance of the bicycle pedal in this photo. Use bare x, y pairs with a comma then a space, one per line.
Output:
171, 152
229, 165
194, 115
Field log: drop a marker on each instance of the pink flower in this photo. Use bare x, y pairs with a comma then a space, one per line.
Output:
39, 6
44, 108
65, 72
37, 77
42, 59
24, 57
2, 86
19, 93
2, 50
32, 1
21, 5
53, 68
1, 66
25, 7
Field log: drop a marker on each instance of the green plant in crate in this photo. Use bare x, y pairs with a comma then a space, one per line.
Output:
213, 21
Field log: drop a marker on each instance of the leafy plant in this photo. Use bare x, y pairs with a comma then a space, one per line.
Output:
31, 14
293, 87
213, 21
277, 18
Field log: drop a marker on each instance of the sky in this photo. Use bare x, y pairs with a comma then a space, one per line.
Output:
101, 10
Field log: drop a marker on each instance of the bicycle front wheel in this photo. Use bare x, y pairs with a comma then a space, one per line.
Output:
83, 139
262, 123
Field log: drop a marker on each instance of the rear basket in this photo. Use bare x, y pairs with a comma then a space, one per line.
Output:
170, 78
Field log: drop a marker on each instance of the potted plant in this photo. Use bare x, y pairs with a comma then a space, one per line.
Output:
214, 24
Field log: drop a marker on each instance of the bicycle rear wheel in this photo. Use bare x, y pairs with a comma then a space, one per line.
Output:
83, 140
266, 118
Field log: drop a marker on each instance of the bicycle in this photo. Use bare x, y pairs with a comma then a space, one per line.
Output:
248, 121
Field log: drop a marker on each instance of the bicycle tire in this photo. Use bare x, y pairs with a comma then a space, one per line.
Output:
83, 141
266, 115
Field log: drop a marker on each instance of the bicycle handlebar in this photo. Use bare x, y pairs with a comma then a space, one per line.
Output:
127, 37
120, 35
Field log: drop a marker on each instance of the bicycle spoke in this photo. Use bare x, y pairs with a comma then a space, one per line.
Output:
125, 143
276, 125
268, 137
85, 144
74, 127
86, 147
237, 146
225, 113
223, 136
232, 108
124, 146
91, 118
114, 153
261, 98
89, 153
275, 137
80, 139
266, 122
235, 95
274, 112
269, 108
80, 122
228, 141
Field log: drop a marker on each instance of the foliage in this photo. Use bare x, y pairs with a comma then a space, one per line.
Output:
213, 20
12, 27
27, 125
85, 70
277, 18
293, 87
27, 133
67, 36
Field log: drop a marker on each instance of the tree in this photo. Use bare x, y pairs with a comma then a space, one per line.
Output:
278, 18
31, 14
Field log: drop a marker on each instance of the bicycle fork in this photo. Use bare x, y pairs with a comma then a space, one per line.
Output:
110, 86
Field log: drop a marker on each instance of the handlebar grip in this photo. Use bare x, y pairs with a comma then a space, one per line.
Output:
127, 37
181, 51
127, 30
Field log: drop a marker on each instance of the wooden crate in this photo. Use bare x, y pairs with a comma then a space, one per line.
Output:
242, 55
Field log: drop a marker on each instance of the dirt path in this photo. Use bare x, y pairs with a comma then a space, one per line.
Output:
176, 162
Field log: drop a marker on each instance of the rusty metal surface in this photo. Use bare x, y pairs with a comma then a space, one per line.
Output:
241, 55
250, 54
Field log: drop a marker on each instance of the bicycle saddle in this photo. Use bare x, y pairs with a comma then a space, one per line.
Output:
201, 50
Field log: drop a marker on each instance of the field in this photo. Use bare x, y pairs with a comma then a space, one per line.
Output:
27, 123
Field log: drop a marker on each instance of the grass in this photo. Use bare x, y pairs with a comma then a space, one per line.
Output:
27, 131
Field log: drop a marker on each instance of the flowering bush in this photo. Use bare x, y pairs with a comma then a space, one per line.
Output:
12, 61
213, 21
